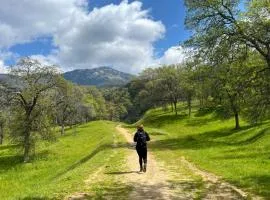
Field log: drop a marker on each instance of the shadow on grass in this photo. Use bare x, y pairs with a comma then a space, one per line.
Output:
188, 142
188, 186
118, 191
255, 137
83, 160
201, 121
43, 155
157, 133
91, 155
37, 198
261, 183
206, 140
244, 155
211, 135
218, 112
222, 132
182, 190
9, 147
123, 172
10, 161
204, 111
162, 120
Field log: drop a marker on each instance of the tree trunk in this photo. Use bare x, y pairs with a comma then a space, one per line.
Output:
268, 60
175, 107
1, 134
26, 157
189, 106
235, 109
62, 129
236, 117
220, 100
201, 102
74, 130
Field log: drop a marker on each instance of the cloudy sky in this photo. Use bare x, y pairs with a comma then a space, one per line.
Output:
126, 35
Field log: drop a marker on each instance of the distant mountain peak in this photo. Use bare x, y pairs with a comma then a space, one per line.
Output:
105, 67
101, 76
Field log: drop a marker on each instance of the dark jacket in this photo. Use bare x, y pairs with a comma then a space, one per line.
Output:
136, 136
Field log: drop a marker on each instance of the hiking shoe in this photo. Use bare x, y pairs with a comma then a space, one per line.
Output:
144, 168
141, 169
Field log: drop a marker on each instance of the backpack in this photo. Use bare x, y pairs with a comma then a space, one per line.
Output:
141, 140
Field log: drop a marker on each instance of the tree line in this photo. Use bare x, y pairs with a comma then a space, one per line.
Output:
37, 99
227, 64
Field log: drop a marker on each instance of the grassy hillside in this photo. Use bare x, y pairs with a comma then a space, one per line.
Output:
61, 168
239, 156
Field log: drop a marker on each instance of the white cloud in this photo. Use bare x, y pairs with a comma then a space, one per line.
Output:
26, 20
3, 68
116, 35
45, 60
5, 55
173, 55
121, 35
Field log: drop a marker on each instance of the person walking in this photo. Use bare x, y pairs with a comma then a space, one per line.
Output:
141, 137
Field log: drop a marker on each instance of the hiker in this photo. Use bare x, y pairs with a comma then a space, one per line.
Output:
141, 137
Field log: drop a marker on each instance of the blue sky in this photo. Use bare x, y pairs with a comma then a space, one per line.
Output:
170, 12
48, 37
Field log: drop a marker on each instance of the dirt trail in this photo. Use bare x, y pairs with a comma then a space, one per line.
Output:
163, 183
215, 188
156, 182
150, 185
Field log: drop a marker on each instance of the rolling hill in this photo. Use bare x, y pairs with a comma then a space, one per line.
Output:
61, 167
240, 157
102, 76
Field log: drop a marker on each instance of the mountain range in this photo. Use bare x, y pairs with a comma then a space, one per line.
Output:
100, 77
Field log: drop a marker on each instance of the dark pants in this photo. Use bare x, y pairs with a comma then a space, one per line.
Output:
142, 153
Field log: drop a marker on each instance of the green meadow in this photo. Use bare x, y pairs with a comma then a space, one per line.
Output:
62, 168
240, 157
95, 150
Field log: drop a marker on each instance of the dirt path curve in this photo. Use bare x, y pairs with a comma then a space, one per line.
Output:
216, 188
156, 182
163, 183
150, 185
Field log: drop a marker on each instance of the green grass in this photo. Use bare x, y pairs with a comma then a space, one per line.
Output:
97, 153
241, 157
60, 168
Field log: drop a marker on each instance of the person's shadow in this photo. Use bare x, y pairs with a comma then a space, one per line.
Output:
126, 172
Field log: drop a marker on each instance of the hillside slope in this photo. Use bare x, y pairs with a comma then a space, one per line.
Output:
102, 76
238, 156
61, 168
9, 80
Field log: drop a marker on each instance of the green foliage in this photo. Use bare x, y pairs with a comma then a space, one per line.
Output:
42, 99
232, 45
221, 28
162, 86
31, 101
3, 122
94, 99
117, 102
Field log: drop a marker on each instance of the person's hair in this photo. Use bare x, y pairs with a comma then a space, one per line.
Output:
140, 127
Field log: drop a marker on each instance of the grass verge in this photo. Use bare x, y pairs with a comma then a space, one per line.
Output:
238, 156
61, 168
